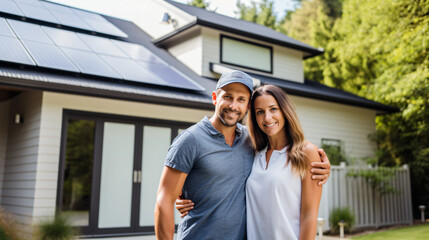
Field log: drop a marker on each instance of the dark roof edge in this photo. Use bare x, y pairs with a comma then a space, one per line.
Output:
159, 41
79, 90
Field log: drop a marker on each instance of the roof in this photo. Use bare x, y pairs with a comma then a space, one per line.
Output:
34, 77
237, 26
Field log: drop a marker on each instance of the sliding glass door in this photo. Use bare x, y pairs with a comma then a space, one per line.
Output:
109, 171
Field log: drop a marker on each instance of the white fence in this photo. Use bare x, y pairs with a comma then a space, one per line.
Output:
369, 210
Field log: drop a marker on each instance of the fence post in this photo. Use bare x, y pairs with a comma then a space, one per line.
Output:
408, 194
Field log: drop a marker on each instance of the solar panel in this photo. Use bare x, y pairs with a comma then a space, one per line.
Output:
102, 45
5, 29
49, 56
11, 50
32, 2
137, 52
99, 23
8, 6
65, 38
36, 12
131, 70
70, 19
57, 7
171, 76
28, 31
90, 63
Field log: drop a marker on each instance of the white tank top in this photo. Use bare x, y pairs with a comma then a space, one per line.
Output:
273, 198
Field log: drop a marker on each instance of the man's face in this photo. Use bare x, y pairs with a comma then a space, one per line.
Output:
232, 103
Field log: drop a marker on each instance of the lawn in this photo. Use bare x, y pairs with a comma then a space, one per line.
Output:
419, 232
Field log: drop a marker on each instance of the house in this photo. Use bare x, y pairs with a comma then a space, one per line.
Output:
89, 104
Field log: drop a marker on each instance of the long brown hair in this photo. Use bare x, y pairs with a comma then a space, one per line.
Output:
294, 133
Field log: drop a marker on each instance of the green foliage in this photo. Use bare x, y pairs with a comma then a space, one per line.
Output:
56, 229
199, 3
341, 214
378, 178
336, 156
261, 13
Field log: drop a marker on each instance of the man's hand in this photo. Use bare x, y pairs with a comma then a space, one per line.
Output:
184, 206
321, 170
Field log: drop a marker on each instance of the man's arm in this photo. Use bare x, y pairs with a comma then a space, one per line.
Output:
170, 186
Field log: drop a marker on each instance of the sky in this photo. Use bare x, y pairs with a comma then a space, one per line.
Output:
226, 7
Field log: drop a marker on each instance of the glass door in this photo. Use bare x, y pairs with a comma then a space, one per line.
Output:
110, 169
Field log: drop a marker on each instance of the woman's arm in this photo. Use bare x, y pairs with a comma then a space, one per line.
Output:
310, 197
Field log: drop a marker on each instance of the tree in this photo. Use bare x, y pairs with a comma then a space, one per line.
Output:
199, 3
382, 54
261, 13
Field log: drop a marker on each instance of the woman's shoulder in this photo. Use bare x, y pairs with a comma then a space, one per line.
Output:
311, 150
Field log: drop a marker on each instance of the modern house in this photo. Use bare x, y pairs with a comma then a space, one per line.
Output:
89, 104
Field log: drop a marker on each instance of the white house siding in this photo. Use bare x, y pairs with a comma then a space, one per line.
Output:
21, 157
287, 63
50, 134
190, 53
351, 125
4, 124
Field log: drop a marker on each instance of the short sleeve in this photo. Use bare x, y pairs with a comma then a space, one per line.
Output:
182, 152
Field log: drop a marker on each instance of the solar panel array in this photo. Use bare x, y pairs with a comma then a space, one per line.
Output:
36, 45
61, 15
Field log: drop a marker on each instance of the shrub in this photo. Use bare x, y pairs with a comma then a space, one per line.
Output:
58, 228
343, 214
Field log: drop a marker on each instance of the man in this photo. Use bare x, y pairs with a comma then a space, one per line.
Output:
210, 163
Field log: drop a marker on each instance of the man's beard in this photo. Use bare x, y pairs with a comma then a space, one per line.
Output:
224, 122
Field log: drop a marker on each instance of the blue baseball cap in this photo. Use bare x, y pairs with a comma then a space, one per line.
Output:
235, 77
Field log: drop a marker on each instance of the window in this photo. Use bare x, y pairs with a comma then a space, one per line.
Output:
333, 148
246, 54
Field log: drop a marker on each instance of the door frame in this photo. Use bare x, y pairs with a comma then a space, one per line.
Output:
99, 119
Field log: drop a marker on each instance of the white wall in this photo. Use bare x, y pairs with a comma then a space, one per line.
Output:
4, 124
50, 134
21, 157
190, 53
352, 125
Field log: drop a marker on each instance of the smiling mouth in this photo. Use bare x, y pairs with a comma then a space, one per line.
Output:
270, 125
232, 113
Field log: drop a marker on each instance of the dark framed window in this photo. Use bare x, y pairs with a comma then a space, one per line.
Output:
246, 54
334, 148
109, 171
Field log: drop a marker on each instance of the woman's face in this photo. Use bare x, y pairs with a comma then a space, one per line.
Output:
269, 117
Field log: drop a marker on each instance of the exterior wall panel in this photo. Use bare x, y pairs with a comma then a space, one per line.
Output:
21, 157
4, 124
351, 125
190, 53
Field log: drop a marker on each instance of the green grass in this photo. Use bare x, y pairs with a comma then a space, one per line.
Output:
419, 232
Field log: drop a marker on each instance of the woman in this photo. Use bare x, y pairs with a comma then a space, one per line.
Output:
282, 200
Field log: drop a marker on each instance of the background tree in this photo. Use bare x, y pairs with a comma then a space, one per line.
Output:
261, 13
199, 3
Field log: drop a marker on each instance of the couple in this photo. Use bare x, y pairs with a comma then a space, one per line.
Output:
211, 161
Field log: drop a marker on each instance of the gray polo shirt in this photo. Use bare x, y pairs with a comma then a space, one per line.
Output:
216, 181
